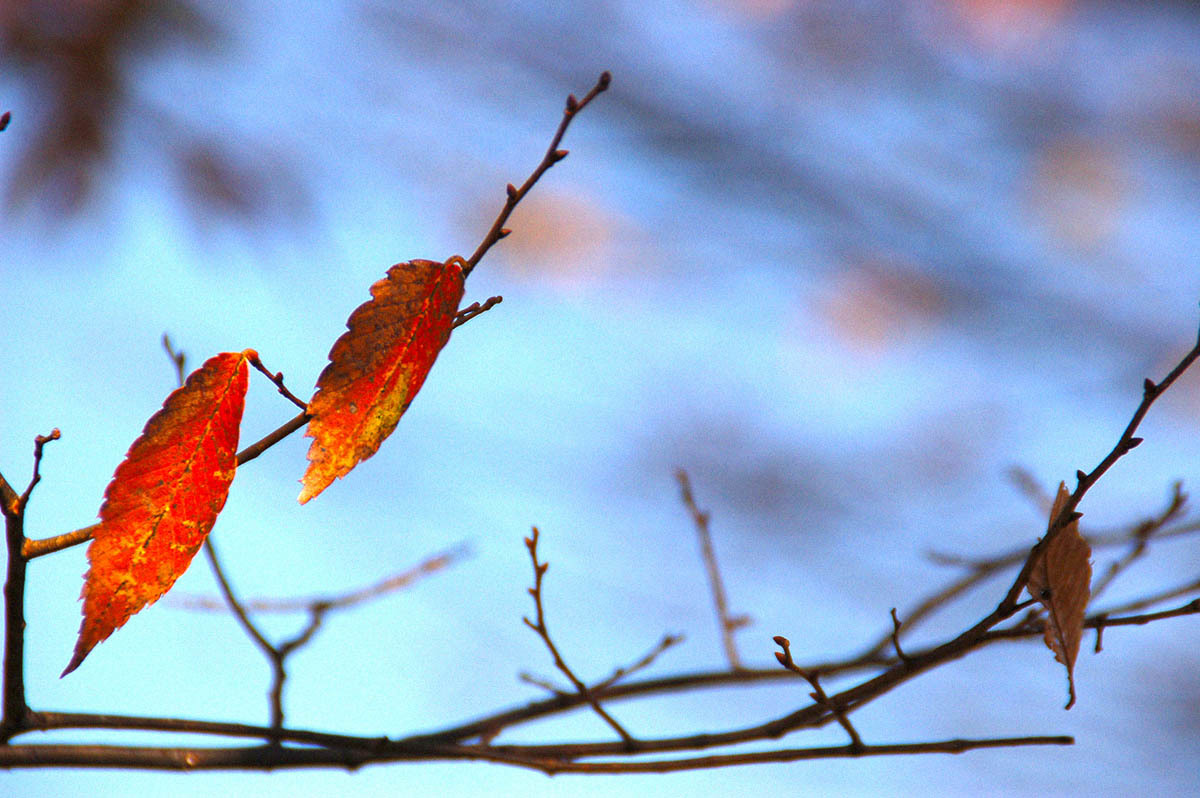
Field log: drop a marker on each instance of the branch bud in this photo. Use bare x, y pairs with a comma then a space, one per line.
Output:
511, 190
572, 103
4, 118
560, 154
605, 79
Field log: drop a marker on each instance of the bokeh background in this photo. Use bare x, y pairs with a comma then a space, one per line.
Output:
846, 262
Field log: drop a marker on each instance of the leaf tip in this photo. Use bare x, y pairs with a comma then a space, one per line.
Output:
306, 493
81, 652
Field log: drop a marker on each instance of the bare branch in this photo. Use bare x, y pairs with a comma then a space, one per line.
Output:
276, 757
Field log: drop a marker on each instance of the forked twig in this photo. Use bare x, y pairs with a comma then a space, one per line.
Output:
177, 356
539, 572
476, 309
618, 675
784, 655
39, 443
896, 636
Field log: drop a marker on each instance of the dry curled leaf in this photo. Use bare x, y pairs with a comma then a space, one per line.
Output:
378, 365
1061, 580
164, 498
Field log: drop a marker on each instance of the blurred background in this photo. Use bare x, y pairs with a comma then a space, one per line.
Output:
846, 262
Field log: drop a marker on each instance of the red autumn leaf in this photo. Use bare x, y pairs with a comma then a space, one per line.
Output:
378, 365
163, 498
1061, 580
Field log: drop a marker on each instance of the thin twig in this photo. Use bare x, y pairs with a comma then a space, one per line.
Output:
277, 378
728, 625
896, 636
621, 673
539, 571
553, 155
1141, 538
784, 655
542, 682
44, 546
39, 443
266, 442
1030, 488
339, 601
231, 600
644, 662
476, 309
178, 358
273, 655
1151, 600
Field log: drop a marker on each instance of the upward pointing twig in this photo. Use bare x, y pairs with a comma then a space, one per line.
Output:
729, 624
553, 155
539, 571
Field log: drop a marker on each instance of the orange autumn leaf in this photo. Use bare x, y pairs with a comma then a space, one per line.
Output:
378, 365
164, 498
1061, 580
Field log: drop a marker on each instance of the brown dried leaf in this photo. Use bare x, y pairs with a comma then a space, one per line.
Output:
1061, 580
